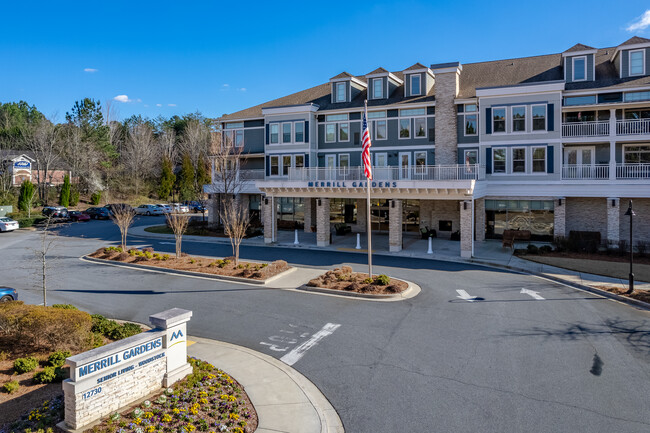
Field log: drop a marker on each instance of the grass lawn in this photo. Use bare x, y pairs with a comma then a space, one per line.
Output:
159, 229
597, 267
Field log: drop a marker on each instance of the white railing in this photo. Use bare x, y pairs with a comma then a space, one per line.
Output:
633, 127
585, 171
243, 175
585, 129
633, 171
426, 172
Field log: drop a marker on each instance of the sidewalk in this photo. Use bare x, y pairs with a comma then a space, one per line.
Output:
285, 400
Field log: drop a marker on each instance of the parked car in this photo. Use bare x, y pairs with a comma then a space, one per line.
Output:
165, 208
8, 294
180, 208
98, 213
148, 209
194, 206
111, 207
7, 224
76, 215
55, 212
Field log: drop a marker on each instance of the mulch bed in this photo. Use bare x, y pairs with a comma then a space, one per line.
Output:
641, 295
644, 260
345, 279
225, 267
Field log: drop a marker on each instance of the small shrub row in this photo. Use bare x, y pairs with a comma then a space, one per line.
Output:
25, 365
49, 375
113, 330
148, 254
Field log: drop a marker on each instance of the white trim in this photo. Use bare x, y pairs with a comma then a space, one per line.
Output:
519, 90
384, 154
328, 157
374, 88
374, 128
418, 71
426, 129
400, 167
410, 81
279, 165
579, 53
271, 125
505, 166
301, 108
633, 46
466, 101
336, 92
476, 150
579, 150
352, 79
532, 119
512, 160
626, 145
290, 156
335, 132
629, 62
573, 68
338, 131
464, 115
290, 132
505, 120
385, 148
415, 159
399, 128
512, 119
532, 153
339, 159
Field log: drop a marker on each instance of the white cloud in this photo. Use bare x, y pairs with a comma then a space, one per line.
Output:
171, 105
158, 105
146, 105
138, 100
243, 89
121, 98
641, 23
226, 85
91, 70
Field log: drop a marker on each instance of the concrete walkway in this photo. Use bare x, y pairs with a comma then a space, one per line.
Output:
285, 400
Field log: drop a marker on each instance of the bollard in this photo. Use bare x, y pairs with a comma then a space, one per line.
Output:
358, 247
295, 242
430, 250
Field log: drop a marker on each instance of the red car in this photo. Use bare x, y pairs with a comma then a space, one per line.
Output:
78, 216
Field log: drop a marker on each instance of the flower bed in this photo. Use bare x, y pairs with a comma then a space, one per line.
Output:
225, 267
345, 279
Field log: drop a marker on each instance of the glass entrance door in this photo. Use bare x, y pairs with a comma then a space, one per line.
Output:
579, 162
405, 165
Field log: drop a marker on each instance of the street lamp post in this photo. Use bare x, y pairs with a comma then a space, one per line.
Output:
631, 214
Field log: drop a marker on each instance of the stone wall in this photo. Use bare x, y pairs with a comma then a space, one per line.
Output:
586, 214
613, 230
641, 222
559, 218
433, 211
268, 213
446, 118
465, 211
395, 226
323, 230
479, 218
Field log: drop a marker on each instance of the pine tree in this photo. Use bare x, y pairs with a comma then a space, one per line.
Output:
202, 174
167, 179
26, 196
186, 179
64, 198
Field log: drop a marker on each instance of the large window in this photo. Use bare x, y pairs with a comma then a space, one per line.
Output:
539, 159
344, 160
286, 164
343, 210
579, 68
636, 96
519, 119
499, 119
405, 128
377, 88
471, 124
519, 160
420, 162
381, 129
415, 85
299, 161
234, 137
637, 154
637, 62
344, 132
274, 134
299, 132
286, 132
533, 215
580, 100
330, 132
539, 117
412, 112
275, 165
471, 156
420, 127
499, 160
340, 92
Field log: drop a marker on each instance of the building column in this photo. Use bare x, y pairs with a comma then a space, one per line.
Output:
362, 215
466, 238
323, 231
213, 210
269, 219
559, 217
307, 212
479, 225
395, 226
612, 143
613, 220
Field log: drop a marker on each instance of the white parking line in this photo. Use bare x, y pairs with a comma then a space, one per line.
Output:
297, 353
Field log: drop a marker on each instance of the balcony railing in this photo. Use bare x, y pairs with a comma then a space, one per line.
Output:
633, 127
585, 129
585, 171
633, 171
243, 175
422, 172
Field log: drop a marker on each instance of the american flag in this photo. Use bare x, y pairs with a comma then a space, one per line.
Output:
365, 151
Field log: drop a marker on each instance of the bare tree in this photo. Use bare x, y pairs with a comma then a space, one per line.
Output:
236, 220
167, 144
123, 216
43, 141
47, 239
138, 155
195, 140
227, 159
178, 223
82, 157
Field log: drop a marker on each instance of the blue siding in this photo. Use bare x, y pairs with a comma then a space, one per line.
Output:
550, 160
488, 120
550, 112
306, 131
488, 160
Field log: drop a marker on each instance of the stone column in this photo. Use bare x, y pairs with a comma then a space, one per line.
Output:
466, 229
362, 215
213, 210
323, 231
174, 322
269, 220
613, 219
479, 218
395, 226
447, 85
307, 211
612, 143
559, 217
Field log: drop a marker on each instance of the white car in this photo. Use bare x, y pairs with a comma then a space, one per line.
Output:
148, 209
165, 208
7, 224
181, 208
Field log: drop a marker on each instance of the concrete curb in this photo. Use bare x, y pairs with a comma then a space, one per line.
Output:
181, 273
285, 400
411, 292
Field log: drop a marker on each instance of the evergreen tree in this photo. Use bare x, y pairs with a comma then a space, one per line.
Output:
186, 179
26, 195
64, 198
167, 179
202, 174
74, 196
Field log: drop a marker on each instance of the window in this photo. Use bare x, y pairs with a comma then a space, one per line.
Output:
579, 69
415, 85
580, 100
471, 157
234, 125
286, 164
637, 62
340, 92
343, 210
299, 132
539, 159
539, 117
275, 161
330, 132
376, 114
420, 127
344, 132
377, 88
499, 160
470, 124
286, 132
636, 96
499, 120
519, 160
274, 133
637, 114
420, 162
470, 108
344, 160
239, 137
405, 128
336, 117
518, 119
300, 161
413, 112
637, 154
380, 129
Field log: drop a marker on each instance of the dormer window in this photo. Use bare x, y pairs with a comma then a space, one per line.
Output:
340, 92
579, 68
637, 62
377, 88
416, 87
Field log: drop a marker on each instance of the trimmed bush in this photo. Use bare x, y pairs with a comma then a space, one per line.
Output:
124, 331
545, 249
11, 387
532, 249
95, 198
25, 365
65, 306
382, 280
57, 359
113, 330
49, 375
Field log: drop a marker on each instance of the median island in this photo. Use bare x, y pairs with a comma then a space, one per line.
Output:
344, 279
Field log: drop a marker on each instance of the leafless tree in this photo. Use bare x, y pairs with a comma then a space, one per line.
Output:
138, 156
226, 162
82, 157
44, 142
47, 241
178, 223
167, 144
195, 140
236, 220
123, 216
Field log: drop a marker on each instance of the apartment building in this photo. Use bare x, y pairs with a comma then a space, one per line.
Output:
549, 143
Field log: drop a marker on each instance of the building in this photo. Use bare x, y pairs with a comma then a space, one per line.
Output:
551, 144
21, 165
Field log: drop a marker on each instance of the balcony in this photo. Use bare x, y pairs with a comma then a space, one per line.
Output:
633, 171
242, 181
633, 127
410, 173
585, 171
585, 129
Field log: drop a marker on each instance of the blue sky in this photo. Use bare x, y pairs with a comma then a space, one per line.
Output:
166, 58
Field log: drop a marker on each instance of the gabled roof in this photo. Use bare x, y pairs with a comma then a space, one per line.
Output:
378, 71
342, 75
635, 40
579, 47
415, 67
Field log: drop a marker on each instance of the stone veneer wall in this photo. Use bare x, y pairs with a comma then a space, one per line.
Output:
613, 229
323, 230
395, 226
308, 203
641, 227
432, 211
446, 139
586, 214
559, 218
479, 218
362, 216
465, 228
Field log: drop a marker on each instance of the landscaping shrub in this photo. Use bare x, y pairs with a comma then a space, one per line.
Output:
124, 331
532, 249
583, 241
49, 375
57, 359
74, 197
382, 280
102, 325
65, 306
113, 330
25, 365
641, 247
95, 198
623, 247
545, 249
367, 280
561, 244
11, 387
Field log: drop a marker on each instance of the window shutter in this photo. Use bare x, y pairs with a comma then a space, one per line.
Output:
306, 131
550, 161
268, 160
267, 134
356, 138
432, 134
488, 121
488, 160
306, 160
551, 117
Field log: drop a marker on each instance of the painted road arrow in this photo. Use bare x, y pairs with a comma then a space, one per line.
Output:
532, 294
462, 294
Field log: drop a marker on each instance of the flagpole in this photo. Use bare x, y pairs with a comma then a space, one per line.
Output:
369, 213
